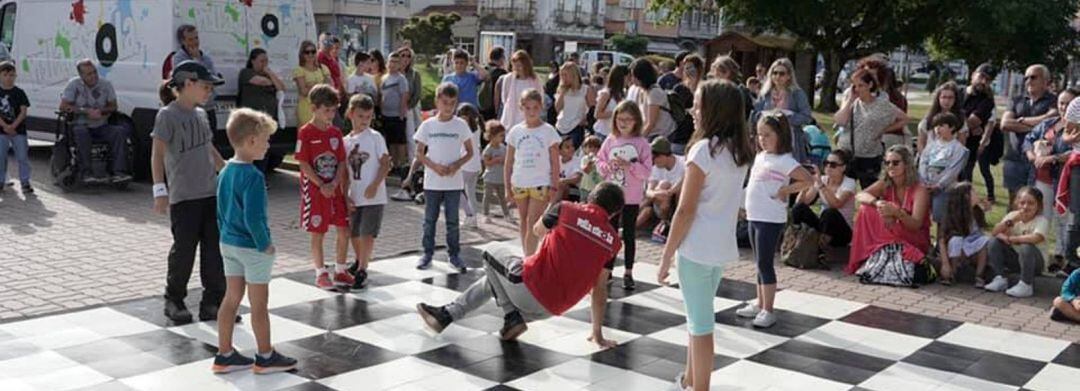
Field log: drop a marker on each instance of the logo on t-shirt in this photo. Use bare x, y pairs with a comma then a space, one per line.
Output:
595, 231
625, 152
356, 161
326, 166
334, 143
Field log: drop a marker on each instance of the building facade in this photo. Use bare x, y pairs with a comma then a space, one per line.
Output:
544, 27
359, 22
633, 17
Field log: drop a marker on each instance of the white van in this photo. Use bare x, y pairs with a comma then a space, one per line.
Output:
130, 40
589, 57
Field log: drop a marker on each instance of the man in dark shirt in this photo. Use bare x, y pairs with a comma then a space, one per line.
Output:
574, 259
496, 68
668, 80
978, 107
1026, 111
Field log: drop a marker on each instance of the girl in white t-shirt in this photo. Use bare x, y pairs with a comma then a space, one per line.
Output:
836, 193
513, 85
703, 229
470, 172
532, 166
774, 177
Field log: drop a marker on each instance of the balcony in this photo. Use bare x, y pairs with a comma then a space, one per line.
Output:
511, 11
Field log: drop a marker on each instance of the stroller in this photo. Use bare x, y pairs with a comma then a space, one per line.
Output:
64, 163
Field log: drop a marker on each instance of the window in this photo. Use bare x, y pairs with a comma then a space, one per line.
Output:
7, 25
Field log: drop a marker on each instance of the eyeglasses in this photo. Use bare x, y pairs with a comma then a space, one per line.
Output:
832, 164
309, 52
779, 73
893, 163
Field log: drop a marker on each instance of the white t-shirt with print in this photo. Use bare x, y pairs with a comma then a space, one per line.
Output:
674, 175
1039, 225
362, 153
475, 164
848, 210
532, 154
711, 238
769, 173
568, 169
444, 141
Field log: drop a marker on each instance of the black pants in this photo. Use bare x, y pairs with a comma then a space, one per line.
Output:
831, 222
629, 232
194, 224
984, 169
866, 170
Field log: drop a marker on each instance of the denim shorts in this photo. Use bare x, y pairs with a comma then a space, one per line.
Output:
698, 283
254, 265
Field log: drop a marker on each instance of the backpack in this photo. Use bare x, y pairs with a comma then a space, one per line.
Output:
820, 148
486, 96
677, 107
801, 247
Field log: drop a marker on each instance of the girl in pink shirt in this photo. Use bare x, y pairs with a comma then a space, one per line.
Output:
625, 158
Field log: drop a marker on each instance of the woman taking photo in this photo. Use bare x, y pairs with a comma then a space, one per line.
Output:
836, 194
867, 118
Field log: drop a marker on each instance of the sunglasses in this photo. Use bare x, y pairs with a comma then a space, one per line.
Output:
831, 164
309, 52
893, 163
779, 73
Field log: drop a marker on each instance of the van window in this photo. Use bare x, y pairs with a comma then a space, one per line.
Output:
7, 25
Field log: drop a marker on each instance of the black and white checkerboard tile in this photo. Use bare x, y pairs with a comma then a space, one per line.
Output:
373, 340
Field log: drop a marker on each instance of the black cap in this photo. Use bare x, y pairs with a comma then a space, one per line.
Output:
985, 68
193, 70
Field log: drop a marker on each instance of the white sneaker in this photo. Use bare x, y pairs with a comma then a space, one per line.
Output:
764, 319
511, 219
470, 222
1021, 289
679, 385
749, 311
998, 284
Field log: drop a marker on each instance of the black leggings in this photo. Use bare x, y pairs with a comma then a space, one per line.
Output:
866, 170
629, 233
984, 169
831, 222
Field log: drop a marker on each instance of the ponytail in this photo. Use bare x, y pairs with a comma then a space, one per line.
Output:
166, 93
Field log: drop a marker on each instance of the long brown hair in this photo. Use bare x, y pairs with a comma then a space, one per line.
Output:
935, 106
962, 212
526, 64
629, 107
722, 120
911, 176
304, 45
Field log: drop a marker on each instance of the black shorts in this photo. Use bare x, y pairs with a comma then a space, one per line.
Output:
394, 130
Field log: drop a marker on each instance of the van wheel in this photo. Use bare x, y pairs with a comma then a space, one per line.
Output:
140, 142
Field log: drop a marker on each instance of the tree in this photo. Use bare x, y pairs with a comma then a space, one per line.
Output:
840, 30
1009, 32
631, 44
430, 35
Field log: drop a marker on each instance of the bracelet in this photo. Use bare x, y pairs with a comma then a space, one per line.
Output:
160, 190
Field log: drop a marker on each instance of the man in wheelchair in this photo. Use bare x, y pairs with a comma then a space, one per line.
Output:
89, 101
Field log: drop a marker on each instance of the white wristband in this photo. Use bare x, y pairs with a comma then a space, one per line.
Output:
160, 190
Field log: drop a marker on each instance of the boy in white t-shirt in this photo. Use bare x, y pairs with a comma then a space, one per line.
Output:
439, 142
569, 171
662, 189
368, 164
360, 82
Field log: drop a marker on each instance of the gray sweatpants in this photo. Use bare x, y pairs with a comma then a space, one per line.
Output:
509, 296
1026, 257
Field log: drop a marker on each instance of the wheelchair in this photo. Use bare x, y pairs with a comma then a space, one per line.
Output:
64, 163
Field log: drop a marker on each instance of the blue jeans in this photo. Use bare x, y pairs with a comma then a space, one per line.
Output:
450, 200
22, 147
1017, 174
115, 136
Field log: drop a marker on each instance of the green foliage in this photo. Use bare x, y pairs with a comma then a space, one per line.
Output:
430, 35
634, 45
1015, 33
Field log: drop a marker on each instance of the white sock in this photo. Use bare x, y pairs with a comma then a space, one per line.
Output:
320, 270
266, 355
342, 268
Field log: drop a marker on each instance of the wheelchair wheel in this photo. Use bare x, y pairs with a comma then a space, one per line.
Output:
61, 167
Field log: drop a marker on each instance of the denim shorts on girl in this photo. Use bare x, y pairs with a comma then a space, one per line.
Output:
254, 265
698, 283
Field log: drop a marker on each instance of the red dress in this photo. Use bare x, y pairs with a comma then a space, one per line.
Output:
871, 232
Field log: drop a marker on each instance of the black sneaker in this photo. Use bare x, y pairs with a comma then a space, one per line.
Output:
275, 363
436, 318
359, 279
628, 282
177, 312
1056, 315
231, 363
513, 326
354, 266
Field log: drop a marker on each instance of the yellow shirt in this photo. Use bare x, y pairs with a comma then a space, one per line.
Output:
303, 104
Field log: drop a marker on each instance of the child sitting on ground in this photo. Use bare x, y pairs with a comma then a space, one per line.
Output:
962, 238
1067, 306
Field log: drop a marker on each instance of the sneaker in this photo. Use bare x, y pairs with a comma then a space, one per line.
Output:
436, 318
94, 180
1021, 289
471, 222
628, 282
998, 284
353, 266
177, 312
510, 218
273, 364
118, 178
231, 363
342, 279
679, 384
458, 264
360, 279
749, 311
764, 319
424, 263
27, 189
513, 326
1056, 315
979, 283
208, 312
401, 195
322, 281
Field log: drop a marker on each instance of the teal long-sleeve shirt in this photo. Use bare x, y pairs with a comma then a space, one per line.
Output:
1071, 288
241, 206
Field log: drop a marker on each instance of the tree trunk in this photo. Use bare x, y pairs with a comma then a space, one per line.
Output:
833, 63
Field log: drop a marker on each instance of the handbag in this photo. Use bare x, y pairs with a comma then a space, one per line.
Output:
801, 248
887, 267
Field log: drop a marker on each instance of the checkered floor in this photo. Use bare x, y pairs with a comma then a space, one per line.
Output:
373, 340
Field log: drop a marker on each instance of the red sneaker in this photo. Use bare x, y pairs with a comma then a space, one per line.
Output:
322, 281
343, 279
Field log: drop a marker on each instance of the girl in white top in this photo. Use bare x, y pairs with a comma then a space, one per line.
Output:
607, 98
470, 172
511, 87
531, 167
572, 101
774, 176
703, 228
